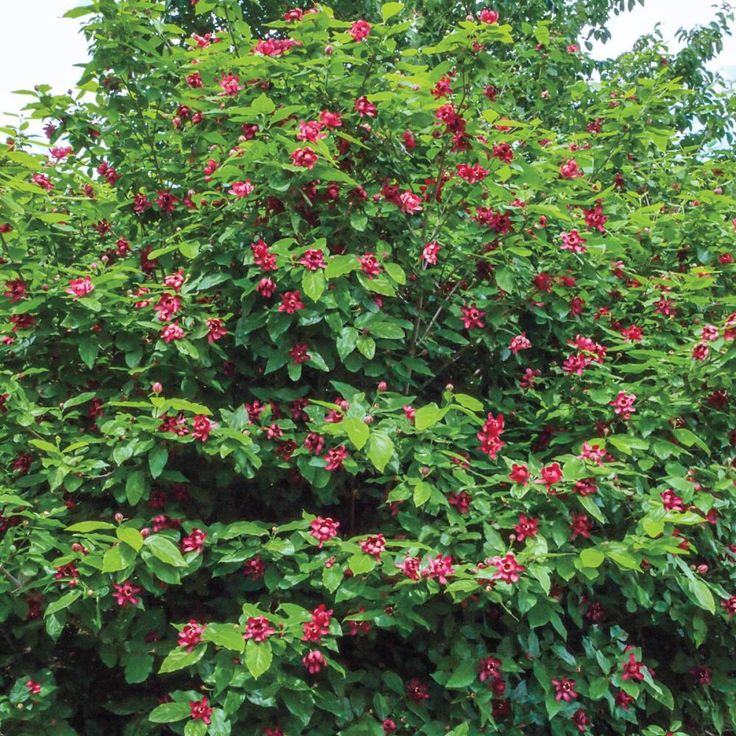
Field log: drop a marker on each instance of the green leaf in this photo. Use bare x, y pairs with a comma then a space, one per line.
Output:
313, 284
134, 487
80, 399
157, 459
428, 416
366, 346
591, 507
165, 550
395, 272
228, 636
90, 526
358, 221
465, 674
701, 594
386, 330
357, 430
389, 10
138, 667
422, 493
347, 341
258, 657
468, 402
130, 536
196, 728
88, 352
341, 265
179, 658
592, 557
263, 105
61, 603
380, 450
505, 279
361, 563
112, 560
169, 713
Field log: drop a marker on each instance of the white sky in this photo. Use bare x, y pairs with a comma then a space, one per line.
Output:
57, 45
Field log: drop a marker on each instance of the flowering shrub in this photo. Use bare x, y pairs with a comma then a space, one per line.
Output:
347, 388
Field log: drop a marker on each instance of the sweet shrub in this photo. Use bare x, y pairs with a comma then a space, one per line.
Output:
354, 387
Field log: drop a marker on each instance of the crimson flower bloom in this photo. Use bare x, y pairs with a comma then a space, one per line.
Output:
360, 30
508, 570
80, 287
304, 157
314, 661
200, 710
191, 634
258, 628
565, 689
194, 541
291, 301
323, 529
125, 594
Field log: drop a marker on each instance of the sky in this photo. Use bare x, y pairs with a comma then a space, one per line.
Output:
57, 44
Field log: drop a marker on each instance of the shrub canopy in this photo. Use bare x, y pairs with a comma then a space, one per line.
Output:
357, 387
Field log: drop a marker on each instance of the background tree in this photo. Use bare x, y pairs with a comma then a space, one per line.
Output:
358, 385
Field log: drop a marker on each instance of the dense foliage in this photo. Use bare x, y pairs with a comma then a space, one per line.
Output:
356, 387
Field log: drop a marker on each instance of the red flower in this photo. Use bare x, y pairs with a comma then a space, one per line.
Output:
580, 526
519, 342
191, 634
125, 594
519, 474
374, 546
508, 570
551, 474
389, 726
172, 332
215, 330
291, 302
242, 188
201, 428
79, 287
304, 157
33, 687
623, 699
570, 170
416, 691
274, 46
369, 265
565, 689
258, 628
671, 501
230, 84
573, 242
323, 529
194, 542
365, 108
299, 354
489, 669
314, 661
16, 290
632, 669
266, 288
526, 528
360, 30
595, 219
580, 717
489, 16
472, 317
313, 260
254, 568
490, 435
430, 253
623, 405
199, 710
335, 457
